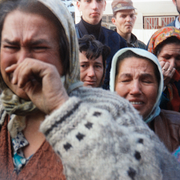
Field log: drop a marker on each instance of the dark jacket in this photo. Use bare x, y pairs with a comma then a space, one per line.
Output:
109, 38
167, 128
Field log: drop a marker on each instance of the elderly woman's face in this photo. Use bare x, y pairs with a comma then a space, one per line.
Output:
170, 53
26, 35
137, 83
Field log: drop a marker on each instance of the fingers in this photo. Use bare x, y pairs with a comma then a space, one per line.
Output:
168, 71
26, 72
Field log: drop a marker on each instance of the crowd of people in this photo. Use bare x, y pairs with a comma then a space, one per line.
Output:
82, 102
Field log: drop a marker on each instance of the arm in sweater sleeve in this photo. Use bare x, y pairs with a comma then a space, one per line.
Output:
94, 144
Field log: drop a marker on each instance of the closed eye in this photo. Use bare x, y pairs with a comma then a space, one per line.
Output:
11, 47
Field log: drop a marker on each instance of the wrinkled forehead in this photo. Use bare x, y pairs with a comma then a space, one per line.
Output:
135, 63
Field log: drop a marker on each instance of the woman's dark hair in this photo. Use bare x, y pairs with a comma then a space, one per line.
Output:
170, 40
93, 48
35, 7
129, 54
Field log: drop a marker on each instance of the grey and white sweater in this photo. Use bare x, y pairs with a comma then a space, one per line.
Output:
100, 136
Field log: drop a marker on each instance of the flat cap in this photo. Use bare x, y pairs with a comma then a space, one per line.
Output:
118, 5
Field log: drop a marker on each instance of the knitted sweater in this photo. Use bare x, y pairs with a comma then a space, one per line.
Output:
100, 136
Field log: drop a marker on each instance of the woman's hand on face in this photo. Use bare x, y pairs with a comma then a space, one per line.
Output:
41, 82
168, 71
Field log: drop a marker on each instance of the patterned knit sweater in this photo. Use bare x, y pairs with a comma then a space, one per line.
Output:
100, 136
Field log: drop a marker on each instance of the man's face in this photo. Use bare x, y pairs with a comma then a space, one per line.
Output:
124, 21
177, 4
171, 54
92, 10
91, 70
136, 82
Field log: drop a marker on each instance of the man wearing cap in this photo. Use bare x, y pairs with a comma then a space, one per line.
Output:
176, 22
92, 12
124, 17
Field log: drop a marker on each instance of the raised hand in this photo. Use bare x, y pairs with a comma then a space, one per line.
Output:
41, 82
168, 71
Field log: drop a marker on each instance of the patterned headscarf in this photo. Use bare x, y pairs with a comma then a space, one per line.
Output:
18, 107
160, 35
70, 80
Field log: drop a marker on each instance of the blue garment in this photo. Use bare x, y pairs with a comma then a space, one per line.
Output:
172, 23
109, 38
175, 23
18, 157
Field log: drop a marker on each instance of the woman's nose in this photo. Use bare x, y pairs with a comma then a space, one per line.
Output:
135, 88
22, 55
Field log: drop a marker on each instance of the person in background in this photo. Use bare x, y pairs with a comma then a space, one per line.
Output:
124, 17
165, 44
92, 59
136, 76
92, 12
51, 127
176, 22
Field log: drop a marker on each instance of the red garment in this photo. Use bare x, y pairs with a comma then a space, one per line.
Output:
45, 164
173, 95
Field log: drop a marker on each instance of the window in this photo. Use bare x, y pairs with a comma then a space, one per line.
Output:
157, 22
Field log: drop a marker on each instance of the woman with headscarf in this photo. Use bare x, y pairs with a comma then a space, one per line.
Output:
136, 75
96, 134
165, 44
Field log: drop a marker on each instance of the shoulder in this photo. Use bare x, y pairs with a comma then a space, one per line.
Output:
141, 44
137, 42
114, 39
171, 24
172, 116
111, 33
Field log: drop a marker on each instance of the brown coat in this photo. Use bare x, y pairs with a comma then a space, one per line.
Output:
167, 128
44, 164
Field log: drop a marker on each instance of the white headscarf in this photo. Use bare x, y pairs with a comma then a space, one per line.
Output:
143, 53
